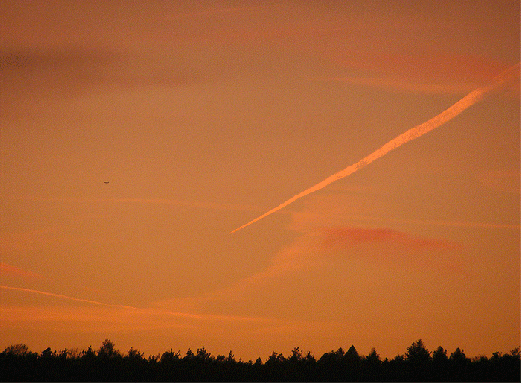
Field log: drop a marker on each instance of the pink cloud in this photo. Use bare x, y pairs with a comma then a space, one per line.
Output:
326, 233
316, 246
353, 236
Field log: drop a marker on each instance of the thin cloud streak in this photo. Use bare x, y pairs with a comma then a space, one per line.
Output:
481, 225
10, 270
353, 236
64, 297
151, 311
411, 134
472, 224
402, 84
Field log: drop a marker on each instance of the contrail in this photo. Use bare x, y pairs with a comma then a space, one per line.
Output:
409, 135
63, 297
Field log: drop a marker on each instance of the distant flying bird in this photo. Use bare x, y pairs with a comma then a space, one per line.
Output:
106, 182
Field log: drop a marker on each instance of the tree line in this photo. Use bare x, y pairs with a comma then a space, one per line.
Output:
17, 363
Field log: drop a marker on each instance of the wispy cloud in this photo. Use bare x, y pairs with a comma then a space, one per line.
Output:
61, 296
9, 270
403, 138
435, 73
408, 85
317, 246
432, 222
353, 236
158, 309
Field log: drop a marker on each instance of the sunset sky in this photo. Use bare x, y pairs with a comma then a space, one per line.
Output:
204, 115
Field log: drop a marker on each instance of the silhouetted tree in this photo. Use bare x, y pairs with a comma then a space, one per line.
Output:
203, 355
440, 355
19, 349
135, 366
396, 368
352, 355
108, 350
273, 366
417, 353
109, 362
189, 355
331, 366
89, 354
47, 353
373, 358
458, 364
296, 355
418, 358
351, 364
17, 359
509, 365
134, 354
373, 365
440, 362
458, 356
17, 363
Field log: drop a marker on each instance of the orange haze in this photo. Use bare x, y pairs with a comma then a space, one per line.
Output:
136, 135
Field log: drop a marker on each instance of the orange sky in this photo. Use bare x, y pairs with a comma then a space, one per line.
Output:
205, 115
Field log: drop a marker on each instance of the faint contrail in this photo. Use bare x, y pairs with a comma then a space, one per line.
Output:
403, 138
63, 297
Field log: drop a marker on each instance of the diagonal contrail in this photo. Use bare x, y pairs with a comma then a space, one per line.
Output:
409, 135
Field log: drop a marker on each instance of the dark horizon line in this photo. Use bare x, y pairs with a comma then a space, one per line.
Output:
418, 344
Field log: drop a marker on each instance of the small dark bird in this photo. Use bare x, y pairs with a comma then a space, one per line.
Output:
106, 182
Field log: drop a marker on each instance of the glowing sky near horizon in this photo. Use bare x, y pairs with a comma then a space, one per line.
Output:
203, 114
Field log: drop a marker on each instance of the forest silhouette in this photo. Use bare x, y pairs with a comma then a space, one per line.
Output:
17, 363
